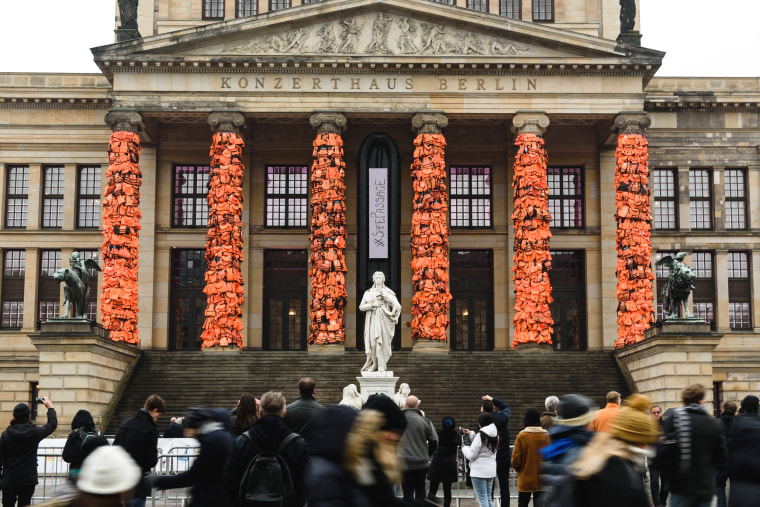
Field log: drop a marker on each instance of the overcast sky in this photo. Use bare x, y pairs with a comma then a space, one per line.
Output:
701, 37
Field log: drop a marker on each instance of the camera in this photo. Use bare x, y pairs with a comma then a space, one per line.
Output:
39, 400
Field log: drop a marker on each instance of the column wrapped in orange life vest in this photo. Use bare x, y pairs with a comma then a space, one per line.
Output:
430, 239
532, 260
328, 241
633, 240
121, 226
224, 243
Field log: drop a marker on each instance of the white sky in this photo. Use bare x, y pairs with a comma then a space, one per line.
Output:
701, 37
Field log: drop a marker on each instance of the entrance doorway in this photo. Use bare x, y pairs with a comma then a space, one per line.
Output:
187, 300
568, 279
471, 310
285, 310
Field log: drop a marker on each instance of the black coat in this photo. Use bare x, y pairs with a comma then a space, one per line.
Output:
18, 451
78, 447
443, 467
298, 415
138, 436
174, 430
267, 432
501, 420
708, 450
617, 484
205, 476
744, 450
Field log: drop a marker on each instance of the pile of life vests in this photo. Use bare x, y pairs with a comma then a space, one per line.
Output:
430, 239
121, 226
633, 240
532, 260
224, 243
328, 241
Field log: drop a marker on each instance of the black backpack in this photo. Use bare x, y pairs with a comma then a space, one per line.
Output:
267, 481
563, 494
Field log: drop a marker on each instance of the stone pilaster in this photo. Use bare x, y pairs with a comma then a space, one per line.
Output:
327, 234
430, 234
31, 284
70, 209
532, 260
720, 275
34, 200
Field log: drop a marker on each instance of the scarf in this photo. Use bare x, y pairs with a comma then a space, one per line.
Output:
682, 425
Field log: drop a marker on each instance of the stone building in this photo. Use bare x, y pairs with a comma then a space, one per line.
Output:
379, 72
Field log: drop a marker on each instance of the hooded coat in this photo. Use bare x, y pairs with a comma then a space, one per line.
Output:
482, 458
78, 447
18, 450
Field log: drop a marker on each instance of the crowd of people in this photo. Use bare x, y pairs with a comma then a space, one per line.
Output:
268, 452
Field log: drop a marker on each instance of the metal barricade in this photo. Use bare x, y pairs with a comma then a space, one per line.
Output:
52, 474
175, 461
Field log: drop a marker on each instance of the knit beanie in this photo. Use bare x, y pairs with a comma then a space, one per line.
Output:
532, 417
448, 422
21, 412
633, 424
394, 418
750, 404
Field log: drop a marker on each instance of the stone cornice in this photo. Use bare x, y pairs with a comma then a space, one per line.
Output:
53, 103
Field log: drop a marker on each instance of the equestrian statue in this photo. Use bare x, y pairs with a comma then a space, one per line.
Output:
679, 286
76, 291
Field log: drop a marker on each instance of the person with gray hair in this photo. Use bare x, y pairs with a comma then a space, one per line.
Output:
268, 432
547, 418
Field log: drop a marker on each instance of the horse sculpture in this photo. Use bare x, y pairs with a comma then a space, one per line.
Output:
76, 291
679, 286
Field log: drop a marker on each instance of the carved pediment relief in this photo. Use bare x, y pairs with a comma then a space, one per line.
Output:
378, 34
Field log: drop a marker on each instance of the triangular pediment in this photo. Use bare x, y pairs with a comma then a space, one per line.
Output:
376, 31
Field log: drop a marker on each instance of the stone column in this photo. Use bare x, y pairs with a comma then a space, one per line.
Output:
327, 234
224, 240
121, 226
633, 237
430, 234
532, 260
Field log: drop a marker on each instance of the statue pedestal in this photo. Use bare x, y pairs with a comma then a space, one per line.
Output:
670, 358
534, 347
373, 382
81, 368
124, 34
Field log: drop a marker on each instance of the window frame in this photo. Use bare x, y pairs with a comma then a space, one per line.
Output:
254, 8
470, 4
193, 196
469, 196
5, 297
514, 5
732, 199
673, 172
470, 290
285, 282
538, 6
709, 281
84, 198
285, 4
562, 198
739, 288
287, 196
48, 289
694, 199
23, 198
209, 6
48, 200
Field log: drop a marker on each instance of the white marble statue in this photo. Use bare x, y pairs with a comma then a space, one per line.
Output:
403, 392
351, 397
382, 313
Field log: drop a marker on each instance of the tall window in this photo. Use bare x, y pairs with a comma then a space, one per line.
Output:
245, 8
190, 190
52, 198
88, 198
92, 283
187, 300
568, 279
565, 197
662, 273
736, 199
48, 289
471, 306
12, 295
665, 199
276, 5
285, 296
286, 195
543, 10
471, 197
478, 5
700, 199
446, 2
17, 200
213, 9
511, 8
703, 296
739, 291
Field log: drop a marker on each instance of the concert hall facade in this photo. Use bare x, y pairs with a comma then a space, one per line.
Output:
303, 226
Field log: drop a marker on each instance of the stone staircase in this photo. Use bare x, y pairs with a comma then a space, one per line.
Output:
447, 383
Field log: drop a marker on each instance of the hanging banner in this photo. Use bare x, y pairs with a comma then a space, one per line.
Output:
378, 213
